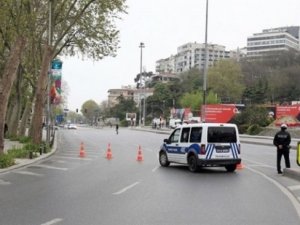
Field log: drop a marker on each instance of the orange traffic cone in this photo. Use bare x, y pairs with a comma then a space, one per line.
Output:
240, 166
139, 154
82, 151
108, 152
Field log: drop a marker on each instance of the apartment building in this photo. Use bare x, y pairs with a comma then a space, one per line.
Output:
192, 55
271, 41
128, 92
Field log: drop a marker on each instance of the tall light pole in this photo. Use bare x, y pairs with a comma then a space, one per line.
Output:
205, 67
49, 74
141, 46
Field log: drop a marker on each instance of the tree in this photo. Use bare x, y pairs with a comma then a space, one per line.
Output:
226, 80
194, 100
83, 27
124, 106
90, 110
142, 80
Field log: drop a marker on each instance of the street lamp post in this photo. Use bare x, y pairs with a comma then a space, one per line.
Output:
205, 67
49, 74
141, 46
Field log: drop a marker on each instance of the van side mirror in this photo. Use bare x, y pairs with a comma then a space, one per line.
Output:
167, 141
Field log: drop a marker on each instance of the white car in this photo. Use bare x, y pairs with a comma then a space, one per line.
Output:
72, 126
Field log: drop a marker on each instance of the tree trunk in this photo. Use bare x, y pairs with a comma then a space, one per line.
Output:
40, 97
24, 120
8, 78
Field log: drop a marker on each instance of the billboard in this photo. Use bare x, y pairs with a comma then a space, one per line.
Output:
219, 113
289, 110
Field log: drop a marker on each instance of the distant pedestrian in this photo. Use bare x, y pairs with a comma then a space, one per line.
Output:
117, 129
282, 140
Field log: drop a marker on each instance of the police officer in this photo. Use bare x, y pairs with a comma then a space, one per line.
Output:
282, 140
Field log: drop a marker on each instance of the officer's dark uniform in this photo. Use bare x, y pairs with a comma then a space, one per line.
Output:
282, 140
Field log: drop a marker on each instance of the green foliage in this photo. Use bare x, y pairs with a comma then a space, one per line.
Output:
6, 160
24, 139
124, 106
18, 153
251, 118
226, 80
254, 129
194, 100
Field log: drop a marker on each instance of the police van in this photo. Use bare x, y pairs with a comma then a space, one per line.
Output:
202, 145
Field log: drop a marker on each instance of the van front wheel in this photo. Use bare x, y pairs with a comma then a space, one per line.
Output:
163, 159
192, 162
230, 168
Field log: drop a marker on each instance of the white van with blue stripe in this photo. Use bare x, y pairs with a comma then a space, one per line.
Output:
202, 145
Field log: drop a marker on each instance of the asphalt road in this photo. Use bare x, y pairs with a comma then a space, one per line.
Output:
68, 190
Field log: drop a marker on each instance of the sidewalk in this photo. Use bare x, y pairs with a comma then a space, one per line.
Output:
8, 144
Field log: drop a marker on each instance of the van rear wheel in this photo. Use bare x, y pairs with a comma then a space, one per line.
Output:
163, 159
192, 162
230, 168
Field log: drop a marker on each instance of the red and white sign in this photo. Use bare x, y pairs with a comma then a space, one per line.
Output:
290, 110
218, 113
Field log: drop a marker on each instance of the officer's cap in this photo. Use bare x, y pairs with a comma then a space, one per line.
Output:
283, 125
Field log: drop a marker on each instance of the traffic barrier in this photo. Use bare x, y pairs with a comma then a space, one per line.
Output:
108, 152
139, 154
82, 151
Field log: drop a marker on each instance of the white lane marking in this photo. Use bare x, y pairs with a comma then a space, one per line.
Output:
51, 167
54, 221
148, 149
76, 158
294, 187
155, 168
60, 161
3, 182
258, 163
28, 173
283, 189
126, 188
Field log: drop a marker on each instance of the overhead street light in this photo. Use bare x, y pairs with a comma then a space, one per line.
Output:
205, 68
141, 46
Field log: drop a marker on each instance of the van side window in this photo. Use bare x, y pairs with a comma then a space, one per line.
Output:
185, 135
196, 134
174, 138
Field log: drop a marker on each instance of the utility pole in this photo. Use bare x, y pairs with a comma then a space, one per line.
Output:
205, 67
49, 74
141, 46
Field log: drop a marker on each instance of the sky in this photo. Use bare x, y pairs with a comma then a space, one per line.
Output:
163, 25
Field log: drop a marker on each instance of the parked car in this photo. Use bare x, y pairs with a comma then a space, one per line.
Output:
72, 126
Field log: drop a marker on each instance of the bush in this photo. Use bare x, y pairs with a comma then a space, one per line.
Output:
6, 160
254, 129
18, 153
24, 139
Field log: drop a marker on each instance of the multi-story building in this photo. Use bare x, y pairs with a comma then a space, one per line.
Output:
164, 77
272, 41
128, 92
192, 55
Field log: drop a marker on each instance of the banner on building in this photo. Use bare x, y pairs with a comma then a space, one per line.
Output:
55, 88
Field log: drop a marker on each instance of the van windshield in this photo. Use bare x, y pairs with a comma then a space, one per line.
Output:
221, 134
